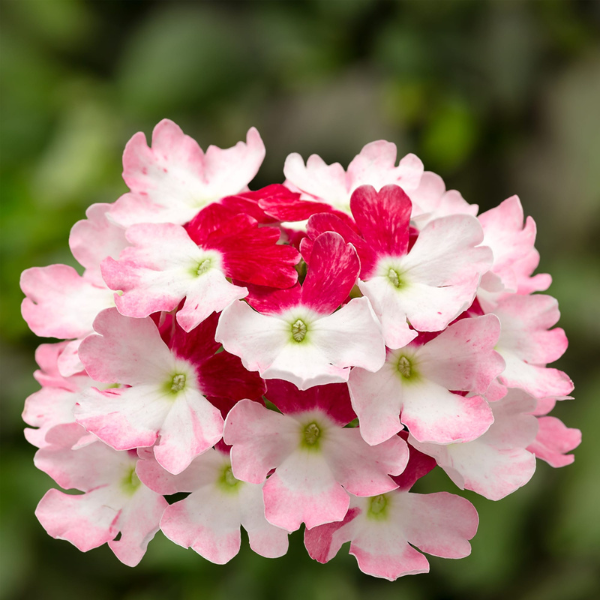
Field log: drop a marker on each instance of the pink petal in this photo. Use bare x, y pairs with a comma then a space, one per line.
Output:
553, 442
261, 440
324, 542
287, 206
206, 521
383, 218
333, 271
271, 301
511, 242
441, 524
87, 468
265, 539
85, 521
462, 357
303, 490
95, 238
172, 180
191, 427
362, 469
375, 165
443, 270
525, 323
138, 523
45, 409
215, 222
317, 179
69, 363
323, 222
248, 202
128, 351
47, 356
433, 414
60, 303
432, 201
332, 399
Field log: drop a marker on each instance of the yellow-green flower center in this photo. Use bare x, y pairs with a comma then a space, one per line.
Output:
299, 330
178, 383
378, 506
204, 266
227, 481
131, 482
312, 433
404, 367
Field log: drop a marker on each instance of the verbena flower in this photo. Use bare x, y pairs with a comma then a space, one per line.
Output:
298, 354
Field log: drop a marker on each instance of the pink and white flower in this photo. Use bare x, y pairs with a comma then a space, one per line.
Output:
375, 166
60, 303
554, 439
54, 404
515, 257
114, 499
94, 239
426, 287
165, 264
431, 201
383, 530
298, 334
500, 461
174, 179
317, 460
416, 386
165, 398
527, 344
209, 519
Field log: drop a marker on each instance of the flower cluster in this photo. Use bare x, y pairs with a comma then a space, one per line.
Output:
302, 353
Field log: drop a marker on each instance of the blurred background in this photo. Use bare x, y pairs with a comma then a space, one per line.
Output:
499, 97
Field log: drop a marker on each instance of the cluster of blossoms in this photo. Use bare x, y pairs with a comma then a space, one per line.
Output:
302, 353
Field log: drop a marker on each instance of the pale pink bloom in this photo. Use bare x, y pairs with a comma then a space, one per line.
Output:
316, 459
298, 334
174, 179
554, 440
54, 404
527, 344
383, 530
209, 519
165, 401
165, 264
69, 363
515, 257
416, 386
60, 303
431, 201
115, 501
497, 463
375, 166
95, 238
428, 286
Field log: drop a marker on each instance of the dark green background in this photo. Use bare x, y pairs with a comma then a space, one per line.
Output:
498, 97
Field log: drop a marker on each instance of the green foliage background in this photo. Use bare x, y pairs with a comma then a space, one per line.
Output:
500, 97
